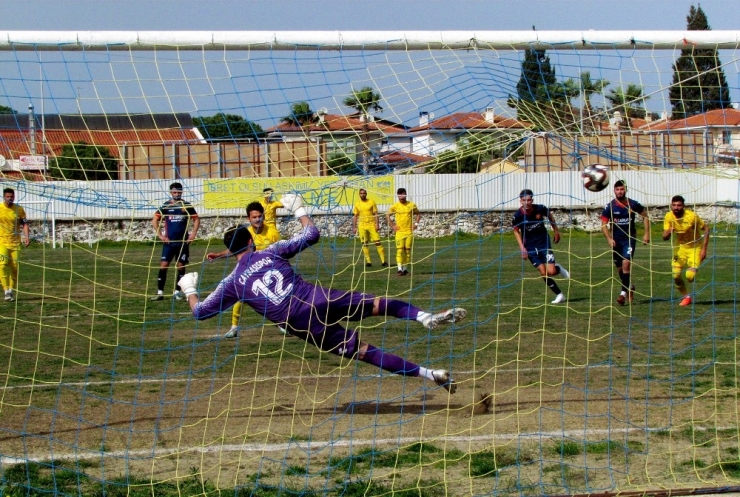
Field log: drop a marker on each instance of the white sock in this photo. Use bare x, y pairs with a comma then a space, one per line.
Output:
425, 373
421, 316
623, 293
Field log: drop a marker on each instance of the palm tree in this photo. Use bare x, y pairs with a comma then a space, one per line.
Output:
365, 100
631, 100
301, 114
591, 86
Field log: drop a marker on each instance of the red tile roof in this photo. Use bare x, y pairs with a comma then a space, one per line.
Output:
472, 120
337, 123
713, 118
14, 142
398, 156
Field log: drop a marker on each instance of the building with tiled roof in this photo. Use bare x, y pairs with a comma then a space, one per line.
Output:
113, 131
433, 136
722, 128
344, 134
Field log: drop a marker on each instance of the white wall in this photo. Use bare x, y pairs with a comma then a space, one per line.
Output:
431, 192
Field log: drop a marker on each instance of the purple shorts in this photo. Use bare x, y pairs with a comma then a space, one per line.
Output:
319, 320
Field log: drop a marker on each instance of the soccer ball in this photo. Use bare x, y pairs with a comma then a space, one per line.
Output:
595, 178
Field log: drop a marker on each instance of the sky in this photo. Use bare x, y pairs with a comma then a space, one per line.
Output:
265, 97
379, 15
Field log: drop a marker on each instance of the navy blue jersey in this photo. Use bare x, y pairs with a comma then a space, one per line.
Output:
177, 216
622, 218
532, 227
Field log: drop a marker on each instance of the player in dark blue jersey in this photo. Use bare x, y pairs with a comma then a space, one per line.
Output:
172, 223
531, 233
620, 230
266, 281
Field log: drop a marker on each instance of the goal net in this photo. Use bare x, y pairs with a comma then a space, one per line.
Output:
109, 388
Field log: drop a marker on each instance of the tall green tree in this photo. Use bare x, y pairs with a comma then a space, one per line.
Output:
4, 109
699, 84
301, 114
365, 101
82, 161
541, 99
227, 126
630, 101
537, 74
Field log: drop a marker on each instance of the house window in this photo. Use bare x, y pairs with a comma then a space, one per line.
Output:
342, 147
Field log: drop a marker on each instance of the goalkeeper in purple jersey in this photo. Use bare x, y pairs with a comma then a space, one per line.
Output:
267, 282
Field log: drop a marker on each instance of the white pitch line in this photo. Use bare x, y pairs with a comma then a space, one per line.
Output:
318, 446
299, 377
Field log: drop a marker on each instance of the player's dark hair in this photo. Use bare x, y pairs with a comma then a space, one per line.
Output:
176, 186
678, 198
526, 193
401, 191
237, 239
620, 183
8, 190
268, 189
255, 206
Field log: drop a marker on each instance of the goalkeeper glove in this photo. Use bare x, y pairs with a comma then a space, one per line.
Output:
294, 203
189, 284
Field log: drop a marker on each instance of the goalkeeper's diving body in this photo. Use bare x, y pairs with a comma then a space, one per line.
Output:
266, 281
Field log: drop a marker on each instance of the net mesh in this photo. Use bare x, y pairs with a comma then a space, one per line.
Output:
104, 391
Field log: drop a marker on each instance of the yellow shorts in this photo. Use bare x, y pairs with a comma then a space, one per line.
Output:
368, 233
686, 257
404, 240
8, 255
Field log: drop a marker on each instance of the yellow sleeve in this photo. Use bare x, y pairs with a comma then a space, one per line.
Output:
667, 221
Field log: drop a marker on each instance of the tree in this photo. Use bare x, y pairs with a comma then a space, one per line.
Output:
4, 109
365, 100
341, 164
469, 157
629, 102
541, 99
82, 161
536, 73
301, 114
227, 126
699, 84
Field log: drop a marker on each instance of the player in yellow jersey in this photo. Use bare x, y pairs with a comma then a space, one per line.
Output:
405, 220
12, 224
263, 235
270, 206
689, 230
366, 224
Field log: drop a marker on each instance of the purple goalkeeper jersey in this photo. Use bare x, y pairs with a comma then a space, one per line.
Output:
265, 281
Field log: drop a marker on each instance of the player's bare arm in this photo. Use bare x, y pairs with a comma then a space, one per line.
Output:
646, 222
157, 225
607, 233
194, 232
705, 245
519, 240
555, 230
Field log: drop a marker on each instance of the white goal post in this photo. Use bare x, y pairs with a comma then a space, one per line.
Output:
364, 40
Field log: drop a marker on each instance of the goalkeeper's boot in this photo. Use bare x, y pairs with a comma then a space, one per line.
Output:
442, 378
559, 299
178, 295
453, 315
9, 296
158, 296
233, 332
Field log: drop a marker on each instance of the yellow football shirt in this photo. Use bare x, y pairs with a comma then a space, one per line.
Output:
265, 238
270, 209
12, 220
365, 212
689, 229
404, 215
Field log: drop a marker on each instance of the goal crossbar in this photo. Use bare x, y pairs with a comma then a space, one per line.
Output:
364, 40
